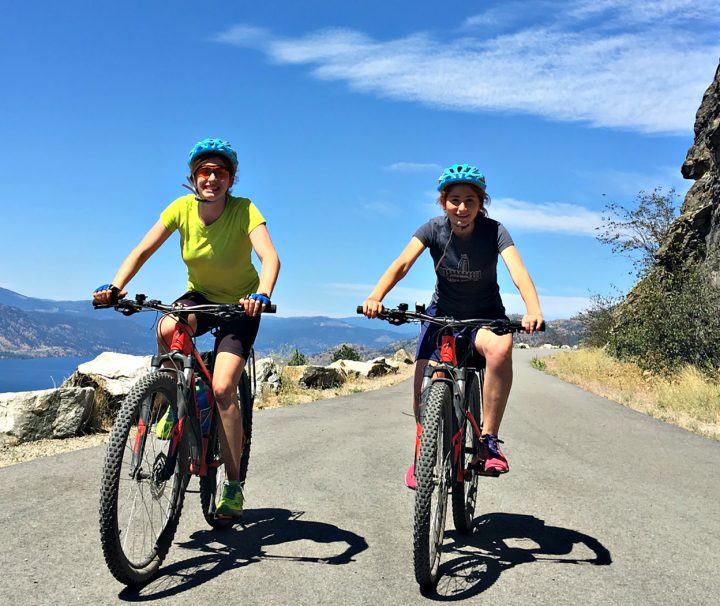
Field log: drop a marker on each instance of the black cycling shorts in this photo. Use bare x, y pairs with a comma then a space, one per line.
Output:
234, 336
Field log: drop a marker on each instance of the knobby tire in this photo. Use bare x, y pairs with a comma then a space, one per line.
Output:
432, 473
139, 515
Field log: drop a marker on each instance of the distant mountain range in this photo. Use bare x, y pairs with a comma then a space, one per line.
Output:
31, 327
34, 328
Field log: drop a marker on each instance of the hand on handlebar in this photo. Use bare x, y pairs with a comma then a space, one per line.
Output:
372, 307
533, 322
255, 303
107, 294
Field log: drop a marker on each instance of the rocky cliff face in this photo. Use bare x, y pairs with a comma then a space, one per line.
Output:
696, 232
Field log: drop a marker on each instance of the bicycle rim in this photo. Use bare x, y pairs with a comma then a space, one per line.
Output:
139, 511
433, 475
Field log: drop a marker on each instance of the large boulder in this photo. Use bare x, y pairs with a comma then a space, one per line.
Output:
267, 374
47, 413
113, 373
373, 368
321, 377
402, 357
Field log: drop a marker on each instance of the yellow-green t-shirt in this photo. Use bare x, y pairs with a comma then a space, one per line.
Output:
217, 255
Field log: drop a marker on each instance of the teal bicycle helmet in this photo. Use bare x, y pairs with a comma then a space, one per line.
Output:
461, 173
213, 147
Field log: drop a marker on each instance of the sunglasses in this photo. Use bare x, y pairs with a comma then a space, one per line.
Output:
220, 172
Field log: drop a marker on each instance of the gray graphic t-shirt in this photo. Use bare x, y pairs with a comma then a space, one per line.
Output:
466, 284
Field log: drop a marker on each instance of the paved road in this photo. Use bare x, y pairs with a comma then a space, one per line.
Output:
603, 505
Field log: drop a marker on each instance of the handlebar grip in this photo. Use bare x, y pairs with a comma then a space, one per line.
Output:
102, 305
270, 309
360, 309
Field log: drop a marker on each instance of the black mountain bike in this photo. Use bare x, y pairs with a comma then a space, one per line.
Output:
450, 456
165, 431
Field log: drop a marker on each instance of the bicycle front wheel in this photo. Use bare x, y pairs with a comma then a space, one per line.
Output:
433, 475
211, 484
464, 491
139, 506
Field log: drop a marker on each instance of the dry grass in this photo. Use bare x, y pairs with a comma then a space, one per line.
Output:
687, 399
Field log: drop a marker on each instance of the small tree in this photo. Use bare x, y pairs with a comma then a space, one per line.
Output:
346, 352
598, 320
638, 232
297, 359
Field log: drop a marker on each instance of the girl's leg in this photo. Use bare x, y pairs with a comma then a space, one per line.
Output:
497, 350
226, 376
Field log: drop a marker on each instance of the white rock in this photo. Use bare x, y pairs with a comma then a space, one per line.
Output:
115, 372
46, 413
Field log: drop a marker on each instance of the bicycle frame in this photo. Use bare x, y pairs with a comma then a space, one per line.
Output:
448, 371
181, 356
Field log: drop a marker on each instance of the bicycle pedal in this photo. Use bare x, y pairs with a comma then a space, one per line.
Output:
489, 473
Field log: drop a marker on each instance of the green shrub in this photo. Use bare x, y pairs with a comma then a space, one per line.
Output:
669, 320
297, 359
598, 320
346, 352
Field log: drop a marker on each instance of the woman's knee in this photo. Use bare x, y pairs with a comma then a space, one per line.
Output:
499, 353
224, 392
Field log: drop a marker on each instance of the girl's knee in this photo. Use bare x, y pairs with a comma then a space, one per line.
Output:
223, 393
500, 354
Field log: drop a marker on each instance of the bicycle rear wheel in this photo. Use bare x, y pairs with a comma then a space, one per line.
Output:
464, 492
211, 484
139, 510
433, 475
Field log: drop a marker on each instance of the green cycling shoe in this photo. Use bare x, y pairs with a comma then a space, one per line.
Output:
230, 504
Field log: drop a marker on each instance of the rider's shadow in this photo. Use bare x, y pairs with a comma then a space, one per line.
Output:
500, 541
252, 540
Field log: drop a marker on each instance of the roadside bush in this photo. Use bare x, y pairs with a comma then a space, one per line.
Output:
346, 352
669, 320
297, 359
598, 320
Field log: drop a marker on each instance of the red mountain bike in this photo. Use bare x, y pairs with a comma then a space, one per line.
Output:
450, 453
165, 431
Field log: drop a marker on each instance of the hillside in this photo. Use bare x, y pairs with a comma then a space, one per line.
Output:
36, 328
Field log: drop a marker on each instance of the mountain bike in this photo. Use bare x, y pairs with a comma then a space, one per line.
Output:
450, 453
165, 431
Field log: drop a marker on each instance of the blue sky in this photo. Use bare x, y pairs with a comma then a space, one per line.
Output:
343, 115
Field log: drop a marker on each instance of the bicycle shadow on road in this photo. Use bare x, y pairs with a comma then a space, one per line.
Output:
500, 541
248, 542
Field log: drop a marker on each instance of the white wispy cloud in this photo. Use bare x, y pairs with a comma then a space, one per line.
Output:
413, 167
554, 217
587, 65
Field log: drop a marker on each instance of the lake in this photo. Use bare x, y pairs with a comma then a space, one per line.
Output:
37, 373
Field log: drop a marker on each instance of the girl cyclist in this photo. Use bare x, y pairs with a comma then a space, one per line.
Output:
465, 245
217, 232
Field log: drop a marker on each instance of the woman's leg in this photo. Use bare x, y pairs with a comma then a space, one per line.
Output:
226, 376
497, 350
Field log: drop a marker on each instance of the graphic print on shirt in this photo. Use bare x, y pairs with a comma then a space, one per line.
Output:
460, 274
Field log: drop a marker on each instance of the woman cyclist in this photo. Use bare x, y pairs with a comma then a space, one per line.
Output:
465, 245
217, 233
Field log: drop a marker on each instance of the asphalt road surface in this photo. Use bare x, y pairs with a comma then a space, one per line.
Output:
602, 505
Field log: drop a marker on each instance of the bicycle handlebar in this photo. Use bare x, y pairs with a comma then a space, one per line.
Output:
225, 311
402, 315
